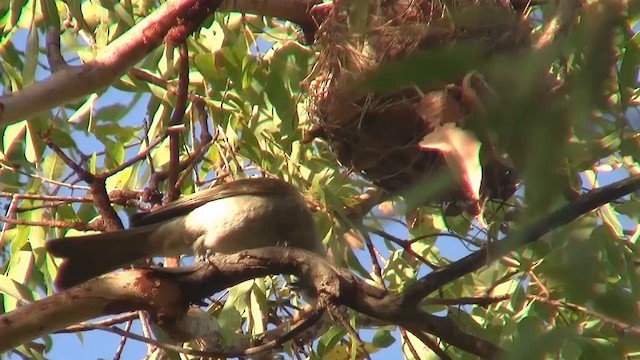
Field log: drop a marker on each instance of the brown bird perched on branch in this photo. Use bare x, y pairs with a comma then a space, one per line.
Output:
243, 214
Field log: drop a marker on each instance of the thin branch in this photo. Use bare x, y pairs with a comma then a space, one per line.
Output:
67, 199
563, 216
107, 322
176, 123
295, 331
620, 325
196, 157
83, 174
123, 342
77, 225
45, 180
145, 325
377, 269
425, 339
110, 220
483, 301
406, 245
138, 157
408, 343
54, 55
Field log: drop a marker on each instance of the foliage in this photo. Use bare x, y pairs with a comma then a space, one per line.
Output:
572, 294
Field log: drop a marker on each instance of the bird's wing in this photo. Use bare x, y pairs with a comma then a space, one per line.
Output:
186, 204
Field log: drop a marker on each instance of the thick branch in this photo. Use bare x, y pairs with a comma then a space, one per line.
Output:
166, 292
109, 65
94, 299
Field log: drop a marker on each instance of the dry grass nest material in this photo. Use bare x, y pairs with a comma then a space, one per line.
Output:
377, 135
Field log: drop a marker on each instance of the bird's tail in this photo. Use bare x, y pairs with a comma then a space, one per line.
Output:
88, 256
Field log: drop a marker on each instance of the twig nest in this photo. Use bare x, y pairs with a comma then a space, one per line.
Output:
389, 138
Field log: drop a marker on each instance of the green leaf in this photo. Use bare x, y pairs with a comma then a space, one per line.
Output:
15, 12
330, 339
51, 16
383, 338
61, 138
12, 134
52, 166
20, 266
15, 289
32, 52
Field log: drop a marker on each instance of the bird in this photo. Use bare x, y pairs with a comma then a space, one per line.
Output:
231, 217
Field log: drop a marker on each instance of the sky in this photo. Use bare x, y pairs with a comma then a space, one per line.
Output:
100, 345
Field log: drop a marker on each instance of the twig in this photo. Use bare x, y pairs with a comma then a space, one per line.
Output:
483, 301
123, 341
408, 344
537, 281
195, 157
110, 220
176, 122
620, 325
4, 194
145, 324
406, 245
107, 322
270, 345
425, 339
377, 269
77, 225
152, 79
46, 180
138, 157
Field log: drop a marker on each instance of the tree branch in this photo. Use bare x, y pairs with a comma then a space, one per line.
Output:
563, 216
110, 221
109, 65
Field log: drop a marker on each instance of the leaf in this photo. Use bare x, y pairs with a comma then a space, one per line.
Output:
50, 12
461, 150
15, 289
32, 51
330, 339
84, 111
230, 318
52, 166
257, 302
20, 266
382, 338
12, 133
61, 138
15, 11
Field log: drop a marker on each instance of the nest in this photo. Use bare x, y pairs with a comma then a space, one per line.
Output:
377, 134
